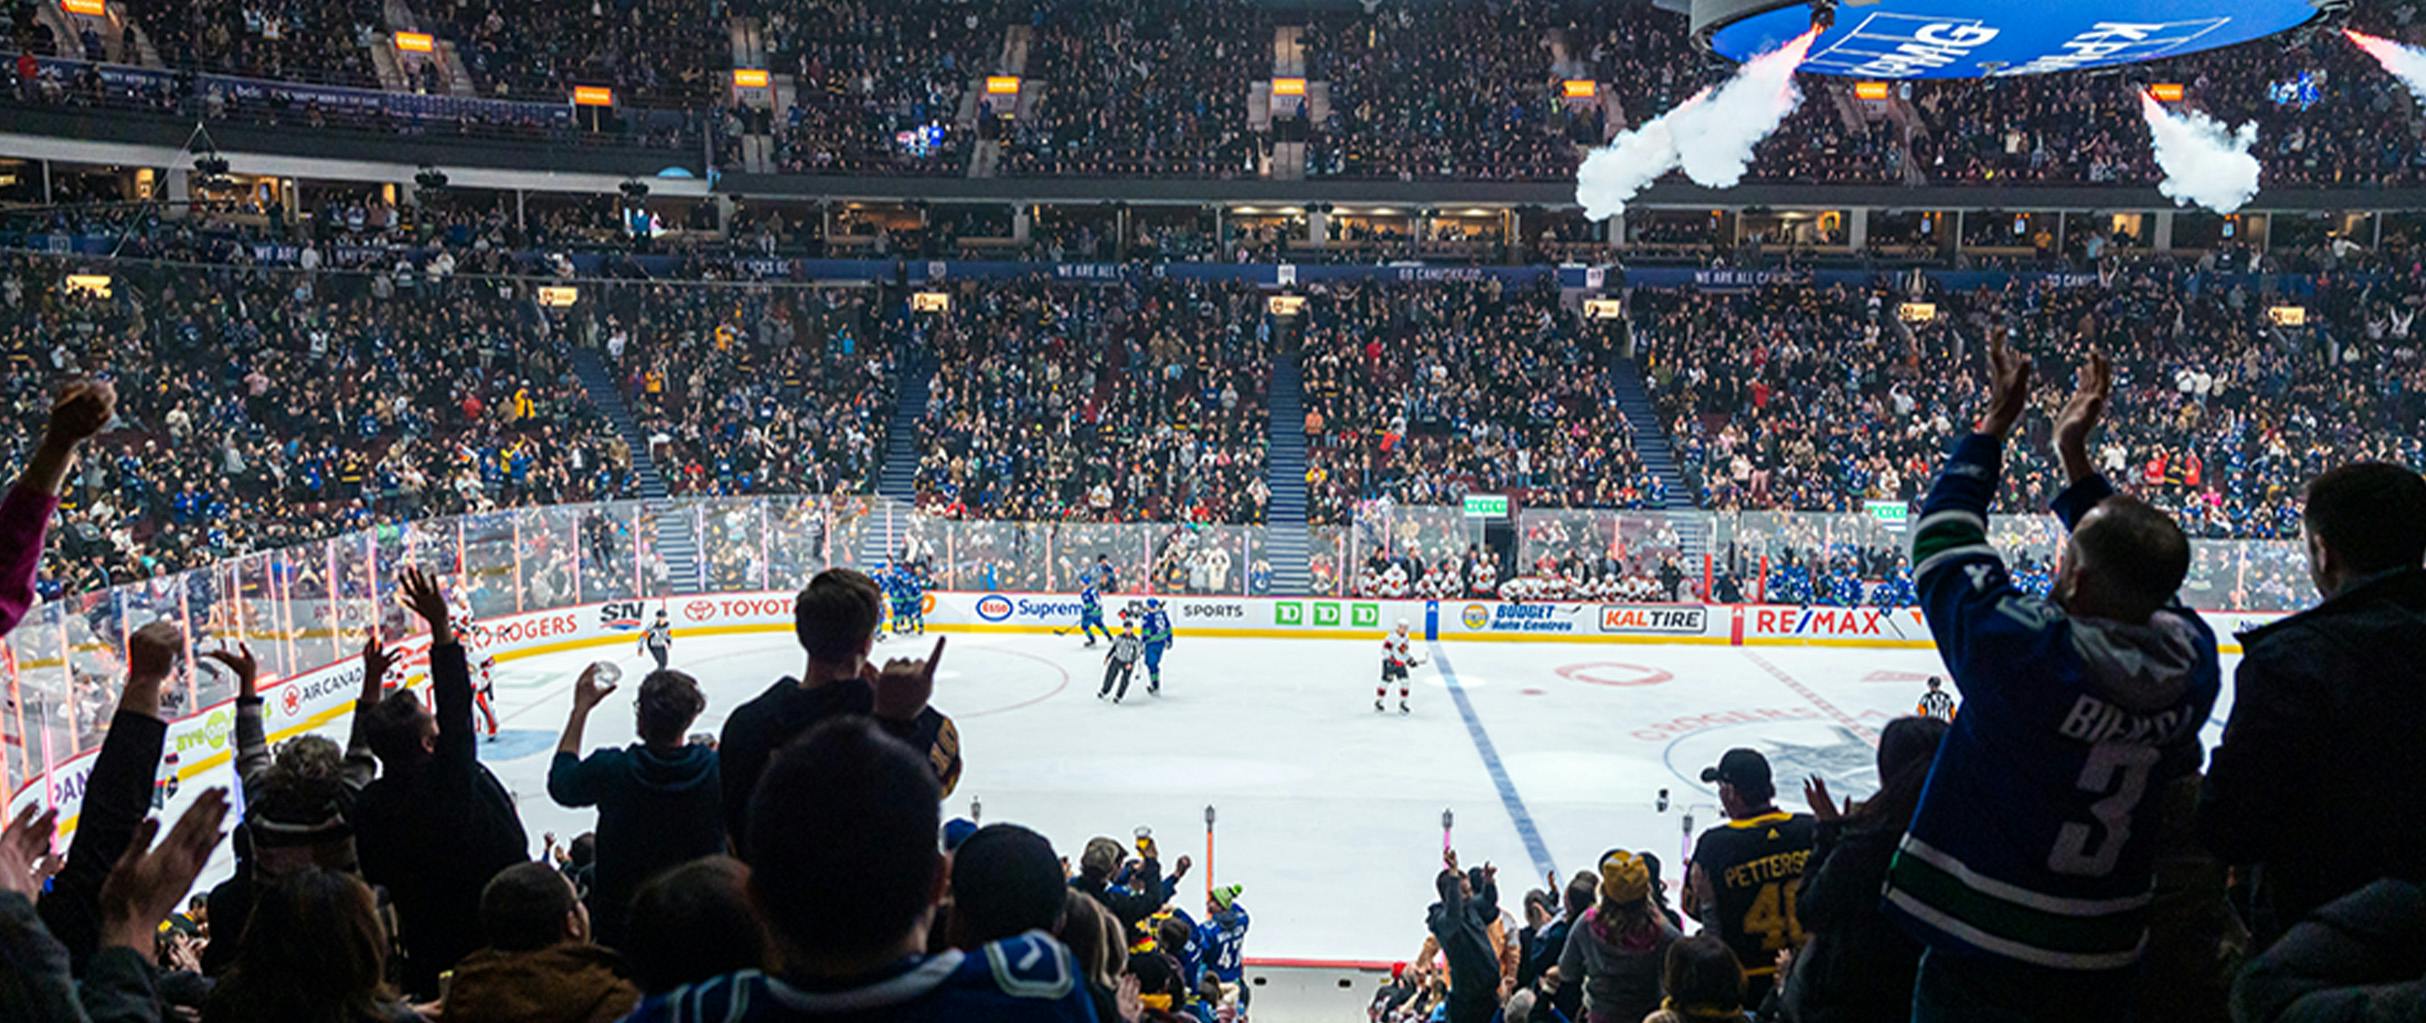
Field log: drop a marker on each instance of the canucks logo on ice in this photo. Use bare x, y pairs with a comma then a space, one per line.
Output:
1796, 750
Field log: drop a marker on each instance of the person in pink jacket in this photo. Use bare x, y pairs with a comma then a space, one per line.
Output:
84, 407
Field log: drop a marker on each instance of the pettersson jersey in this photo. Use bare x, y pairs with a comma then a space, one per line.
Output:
1026, 979
2035, 840
1755, 868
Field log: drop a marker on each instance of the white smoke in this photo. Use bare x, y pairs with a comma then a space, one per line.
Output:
1711, 135
2204, 162
2406, 64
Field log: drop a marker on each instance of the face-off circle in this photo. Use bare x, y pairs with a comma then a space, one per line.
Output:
1614, 673
1983, 38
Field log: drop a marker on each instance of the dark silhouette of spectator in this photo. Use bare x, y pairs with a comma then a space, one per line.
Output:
316, 948
1703, 982
540, 965
1857, 964
436, 825
1006, 881
700, 925
1461, 922
835, 620
2348, 674
845, 870
2358, 959
133, 900
659, 800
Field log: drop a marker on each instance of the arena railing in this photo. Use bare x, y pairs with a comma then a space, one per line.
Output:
558, 577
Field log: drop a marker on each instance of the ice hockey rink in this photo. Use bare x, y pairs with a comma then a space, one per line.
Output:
1546, 753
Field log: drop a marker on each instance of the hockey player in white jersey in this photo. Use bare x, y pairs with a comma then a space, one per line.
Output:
1397, 655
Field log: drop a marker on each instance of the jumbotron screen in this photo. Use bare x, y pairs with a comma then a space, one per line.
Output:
1982, 38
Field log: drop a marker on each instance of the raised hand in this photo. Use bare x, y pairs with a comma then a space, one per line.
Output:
83, 409
2009, 387
152, 652
375, 663
588, 691
241, 662
24, 844
2081, 413
1815, 793
147, 884
421, 593
904, 685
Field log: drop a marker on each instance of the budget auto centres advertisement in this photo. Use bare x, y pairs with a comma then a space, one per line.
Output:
321, 699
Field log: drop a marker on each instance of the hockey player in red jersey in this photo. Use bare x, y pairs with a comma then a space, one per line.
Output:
475, 640
1397, 655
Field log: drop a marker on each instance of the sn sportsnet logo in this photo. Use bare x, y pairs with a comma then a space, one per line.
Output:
621, 615
994, 607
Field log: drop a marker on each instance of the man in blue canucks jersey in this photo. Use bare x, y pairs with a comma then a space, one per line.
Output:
1090, 610
845, 872
1157, 634
2028, 871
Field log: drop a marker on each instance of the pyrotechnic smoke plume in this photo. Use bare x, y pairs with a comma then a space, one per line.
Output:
2204, 162
2406, 64
1710, 135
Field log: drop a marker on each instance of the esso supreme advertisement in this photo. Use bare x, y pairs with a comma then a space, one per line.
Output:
1982, 38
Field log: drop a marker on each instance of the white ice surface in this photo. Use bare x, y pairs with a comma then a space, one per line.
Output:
1329, 814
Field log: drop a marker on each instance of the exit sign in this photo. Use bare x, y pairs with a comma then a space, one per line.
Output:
1487, 506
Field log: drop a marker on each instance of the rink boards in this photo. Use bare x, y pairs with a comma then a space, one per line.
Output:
321, 699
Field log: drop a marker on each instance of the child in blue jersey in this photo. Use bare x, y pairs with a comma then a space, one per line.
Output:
2029, 869
1157, 635
1090, 611
845, 872
1221, 940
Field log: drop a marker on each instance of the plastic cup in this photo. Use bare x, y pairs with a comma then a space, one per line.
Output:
607, 673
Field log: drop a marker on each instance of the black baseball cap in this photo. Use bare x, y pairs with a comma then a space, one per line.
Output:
1742, 768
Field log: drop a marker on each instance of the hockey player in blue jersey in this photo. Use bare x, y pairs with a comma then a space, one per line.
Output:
845, 874
910, 600
1090, 611
1157, 634
2029, 868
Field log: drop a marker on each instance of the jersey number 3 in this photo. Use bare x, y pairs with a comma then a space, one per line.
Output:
2086, 850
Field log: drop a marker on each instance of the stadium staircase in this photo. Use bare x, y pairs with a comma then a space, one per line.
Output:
1651, 442
1285, 473
676, 543
898, 482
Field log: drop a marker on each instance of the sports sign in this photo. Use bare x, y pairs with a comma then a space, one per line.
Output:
1981, 38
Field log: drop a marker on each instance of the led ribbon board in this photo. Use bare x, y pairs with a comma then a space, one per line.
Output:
1982, 38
